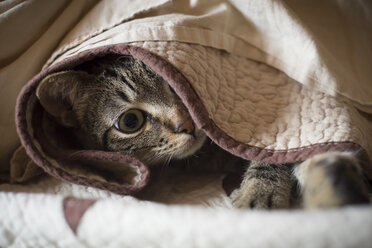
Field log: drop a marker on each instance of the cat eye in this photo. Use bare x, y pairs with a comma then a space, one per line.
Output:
131, 121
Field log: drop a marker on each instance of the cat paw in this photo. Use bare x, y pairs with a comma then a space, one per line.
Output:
332, 180
255, 194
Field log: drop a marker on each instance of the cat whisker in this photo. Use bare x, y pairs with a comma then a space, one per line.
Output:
153, 157
164, 168
168, 160
188, 166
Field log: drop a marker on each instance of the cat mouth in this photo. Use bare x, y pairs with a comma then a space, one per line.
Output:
193, 144
180, 148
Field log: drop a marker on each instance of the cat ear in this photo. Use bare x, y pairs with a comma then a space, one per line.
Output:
57, 93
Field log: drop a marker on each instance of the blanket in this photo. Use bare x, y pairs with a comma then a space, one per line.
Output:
265, 80
88, 217
247, 107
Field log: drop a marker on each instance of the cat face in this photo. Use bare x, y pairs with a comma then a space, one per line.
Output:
117, 103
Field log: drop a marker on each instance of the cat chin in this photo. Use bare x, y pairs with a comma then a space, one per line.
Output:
193, 147
189, 148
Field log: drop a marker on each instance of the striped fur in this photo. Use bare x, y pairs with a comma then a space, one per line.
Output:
92, 98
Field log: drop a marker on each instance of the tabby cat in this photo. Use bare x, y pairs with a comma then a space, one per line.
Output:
117, 103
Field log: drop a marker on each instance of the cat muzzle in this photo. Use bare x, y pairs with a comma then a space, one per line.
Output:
187, 127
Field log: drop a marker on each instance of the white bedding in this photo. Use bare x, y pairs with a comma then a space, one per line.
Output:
188, 209
200, 215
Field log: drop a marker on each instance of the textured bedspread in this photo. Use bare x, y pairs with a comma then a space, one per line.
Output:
263, 79
44, 214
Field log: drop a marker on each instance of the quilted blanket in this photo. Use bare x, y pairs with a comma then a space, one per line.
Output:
263, 79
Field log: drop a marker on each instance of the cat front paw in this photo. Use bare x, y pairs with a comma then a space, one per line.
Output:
256, 194
333, 180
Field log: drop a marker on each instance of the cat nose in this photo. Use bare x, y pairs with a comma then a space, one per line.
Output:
186, 127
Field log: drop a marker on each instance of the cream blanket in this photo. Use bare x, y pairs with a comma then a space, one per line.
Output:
265, 79
49, 220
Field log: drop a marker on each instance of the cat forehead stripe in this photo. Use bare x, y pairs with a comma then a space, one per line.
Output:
110, 73
123, 96
128, 84
119, 76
